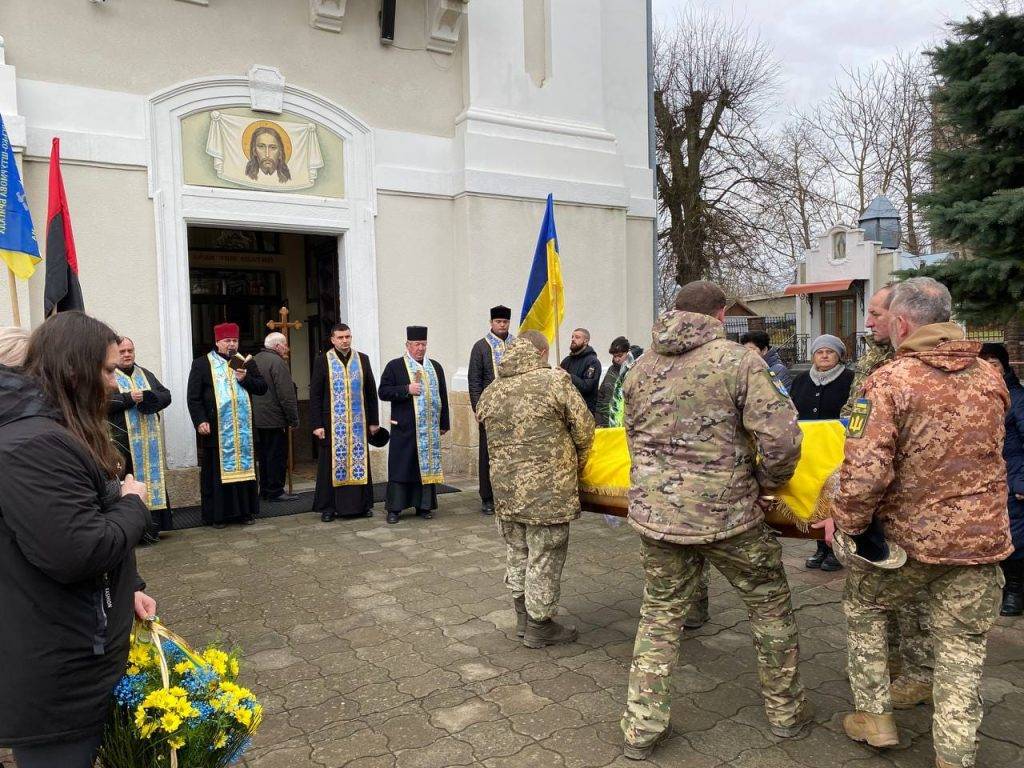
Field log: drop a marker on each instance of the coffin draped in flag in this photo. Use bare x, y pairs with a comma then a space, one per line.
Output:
276, 155
805, 499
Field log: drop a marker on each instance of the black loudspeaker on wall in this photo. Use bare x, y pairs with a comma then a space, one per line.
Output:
387, 21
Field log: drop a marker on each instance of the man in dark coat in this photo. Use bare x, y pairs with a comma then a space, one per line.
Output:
137, 432
416, 389
584, 367
273, 414
344, 414
219, 404
620, 351
483, 362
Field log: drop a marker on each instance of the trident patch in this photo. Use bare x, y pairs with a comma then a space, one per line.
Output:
859, 418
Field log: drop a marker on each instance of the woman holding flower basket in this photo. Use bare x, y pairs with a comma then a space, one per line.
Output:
69, 589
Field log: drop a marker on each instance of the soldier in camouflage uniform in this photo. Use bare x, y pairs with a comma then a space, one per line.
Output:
539, 431
923, 456
708, 428
910, 648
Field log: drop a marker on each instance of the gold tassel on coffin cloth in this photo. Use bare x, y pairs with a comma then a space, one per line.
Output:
806, 498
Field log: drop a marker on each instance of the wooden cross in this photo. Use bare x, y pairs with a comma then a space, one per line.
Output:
283, 325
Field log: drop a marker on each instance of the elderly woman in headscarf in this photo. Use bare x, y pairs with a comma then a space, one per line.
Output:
13, 346
821, 393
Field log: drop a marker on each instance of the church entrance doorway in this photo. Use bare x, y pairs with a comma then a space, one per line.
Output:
246, 276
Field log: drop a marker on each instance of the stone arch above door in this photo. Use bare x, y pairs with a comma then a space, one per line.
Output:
177, 204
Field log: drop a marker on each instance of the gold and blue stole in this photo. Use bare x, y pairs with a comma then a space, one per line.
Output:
348, 420
427, 406
498, 347
145, 440
234, 423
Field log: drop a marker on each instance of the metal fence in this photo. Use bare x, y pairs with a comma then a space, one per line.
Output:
781, 330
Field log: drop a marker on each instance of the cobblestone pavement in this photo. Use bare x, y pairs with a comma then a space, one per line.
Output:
374, 646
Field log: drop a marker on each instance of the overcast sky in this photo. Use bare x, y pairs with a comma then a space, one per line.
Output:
815, 39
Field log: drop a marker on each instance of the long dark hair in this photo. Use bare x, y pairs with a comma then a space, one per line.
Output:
66, 356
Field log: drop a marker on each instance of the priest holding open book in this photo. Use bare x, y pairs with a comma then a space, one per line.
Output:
219, 388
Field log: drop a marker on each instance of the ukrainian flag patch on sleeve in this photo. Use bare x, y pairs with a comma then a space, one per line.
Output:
859, 418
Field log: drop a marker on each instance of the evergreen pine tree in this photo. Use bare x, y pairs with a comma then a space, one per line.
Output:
977, 198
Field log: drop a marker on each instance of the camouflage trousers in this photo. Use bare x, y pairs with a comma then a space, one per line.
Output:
960, 602
535, 555
752, 563
910, 644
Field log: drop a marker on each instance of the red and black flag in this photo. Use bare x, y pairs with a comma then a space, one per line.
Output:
63, 291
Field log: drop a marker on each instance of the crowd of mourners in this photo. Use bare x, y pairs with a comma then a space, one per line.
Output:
928, 507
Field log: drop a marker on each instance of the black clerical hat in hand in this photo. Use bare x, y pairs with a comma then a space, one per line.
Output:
379, 439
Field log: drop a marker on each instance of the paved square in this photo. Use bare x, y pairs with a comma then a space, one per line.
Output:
373, 645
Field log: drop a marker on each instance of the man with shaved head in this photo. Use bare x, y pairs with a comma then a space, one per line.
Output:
583, 366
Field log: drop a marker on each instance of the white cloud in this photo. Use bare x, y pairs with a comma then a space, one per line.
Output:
816, 39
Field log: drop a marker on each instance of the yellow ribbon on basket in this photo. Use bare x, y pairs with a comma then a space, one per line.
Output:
803, 500
154, 633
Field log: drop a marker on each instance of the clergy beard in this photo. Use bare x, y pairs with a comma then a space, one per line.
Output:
127, 371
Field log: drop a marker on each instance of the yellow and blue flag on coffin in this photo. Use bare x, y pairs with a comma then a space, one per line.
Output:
18, 245
544, 304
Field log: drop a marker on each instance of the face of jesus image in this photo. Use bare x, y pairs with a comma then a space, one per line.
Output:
266, 155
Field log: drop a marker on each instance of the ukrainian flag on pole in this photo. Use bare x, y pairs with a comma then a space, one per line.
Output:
544, 304
18, 246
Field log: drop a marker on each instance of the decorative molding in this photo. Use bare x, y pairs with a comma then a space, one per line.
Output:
266, 88
328, 15
196, 2
176, 205
445, 19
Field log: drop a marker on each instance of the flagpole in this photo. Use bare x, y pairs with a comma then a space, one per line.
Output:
13, 286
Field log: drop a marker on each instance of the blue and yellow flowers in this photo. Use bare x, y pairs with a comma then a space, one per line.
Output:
174, 701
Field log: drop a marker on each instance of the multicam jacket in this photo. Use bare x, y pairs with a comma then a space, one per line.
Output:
699, 409
539, 432
877, 354
924, 452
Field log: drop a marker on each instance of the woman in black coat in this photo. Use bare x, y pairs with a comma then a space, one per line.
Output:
821, 393
68, 584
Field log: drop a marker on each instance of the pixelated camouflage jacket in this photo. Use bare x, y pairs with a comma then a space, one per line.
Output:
877, 355
699, 408
928, 459
539, 432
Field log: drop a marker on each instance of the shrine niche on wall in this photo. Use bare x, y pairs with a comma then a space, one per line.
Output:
237, 148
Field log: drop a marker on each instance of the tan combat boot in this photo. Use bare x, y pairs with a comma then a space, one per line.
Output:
547, 632
876, 730
907, 693
940, 763
520, 606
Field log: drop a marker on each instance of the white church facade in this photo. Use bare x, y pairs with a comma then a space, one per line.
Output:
223, 158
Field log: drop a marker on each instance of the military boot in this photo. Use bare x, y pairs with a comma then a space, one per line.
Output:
642, 753
699, 613
547, 632
876, 730
520, 605
907, 693
940, 763
1013, 592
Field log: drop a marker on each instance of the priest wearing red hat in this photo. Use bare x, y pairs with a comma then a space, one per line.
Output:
219, 388
415, 386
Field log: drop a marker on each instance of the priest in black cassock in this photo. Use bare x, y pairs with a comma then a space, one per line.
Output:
483, 366
219, 404
343, 412
133, 414
414, 384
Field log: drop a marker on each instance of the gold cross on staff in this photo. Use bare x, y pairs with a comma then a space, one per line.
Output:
283, 325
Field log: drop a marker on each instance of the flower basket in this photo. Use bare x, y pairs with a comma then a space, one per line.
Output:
175, 707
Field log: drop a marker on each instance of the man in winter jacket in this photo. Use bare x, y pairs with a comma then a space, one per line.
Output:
708, 428
273, 414
620, 352
923, 457
583, 366
539, 432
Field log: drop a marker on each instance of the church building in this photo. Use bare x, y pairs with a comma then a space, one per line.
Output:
382, 163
